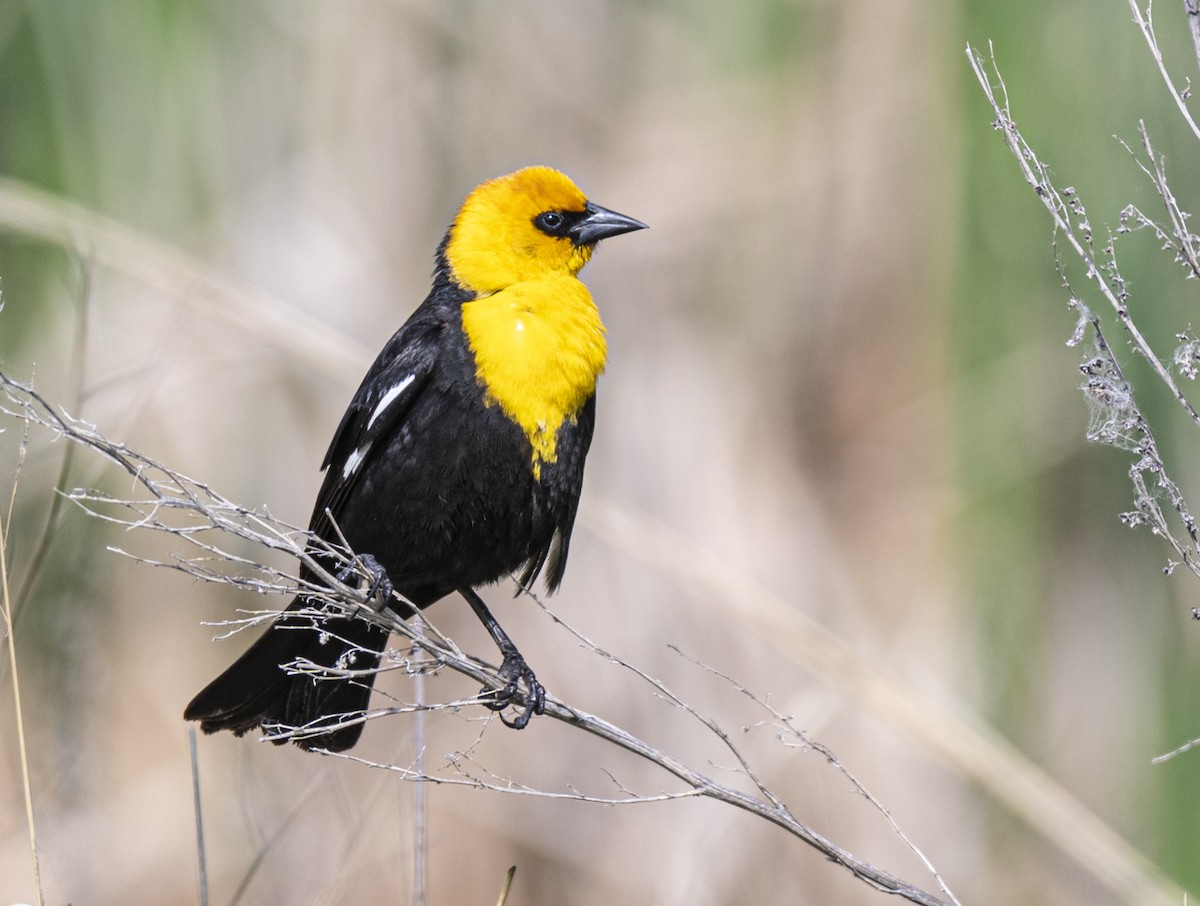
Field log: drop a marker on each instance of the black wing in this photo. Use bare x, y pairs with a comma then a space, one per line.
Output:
382, 402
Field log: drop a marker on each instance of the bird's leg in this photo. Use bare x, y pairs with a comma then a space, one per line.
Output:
380, 590
513, 668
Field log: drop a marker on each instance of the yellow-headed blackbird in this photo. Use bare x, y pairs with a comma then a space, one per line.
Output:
459, 460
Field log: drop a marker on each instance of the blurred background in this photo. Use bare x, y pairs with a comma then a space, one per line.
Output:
840, 454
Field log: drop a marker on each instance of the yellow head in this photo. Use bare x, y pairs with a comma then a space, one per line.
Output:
517, 244
528, 225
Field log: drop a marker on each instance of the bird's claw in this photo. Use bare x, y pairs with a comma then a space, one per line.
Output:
515, 670
380, 590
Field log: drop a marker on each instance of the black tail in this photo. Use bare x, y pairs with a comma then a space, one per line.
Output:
257, 689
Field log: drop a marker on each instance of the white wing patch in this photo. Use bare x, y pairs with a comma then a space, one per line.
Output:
388, 398
354, 460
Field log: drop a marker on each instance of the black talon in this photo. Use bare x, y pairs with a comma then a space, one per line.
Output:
513, 668
381, 588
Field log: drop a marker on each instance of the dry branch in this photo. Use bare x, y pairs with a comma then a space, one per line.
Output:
1116, 418
205, 522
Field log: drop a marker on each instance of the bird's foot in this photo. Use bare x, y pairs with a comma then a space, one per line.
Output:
532, 701
380, 590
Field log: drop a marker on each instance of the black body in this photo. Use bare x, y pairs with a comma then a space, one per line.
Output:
443, 497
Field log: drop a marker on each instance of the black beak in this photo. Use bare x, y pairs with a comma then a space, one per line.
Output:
600, 223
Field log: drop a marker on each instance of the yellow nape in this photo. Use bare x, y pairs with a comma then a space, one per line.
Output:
539, 349
536, 334
493, 242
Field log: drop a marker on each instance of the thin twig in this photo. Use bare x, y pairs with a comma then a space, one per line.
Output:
1167, 756
1116, 418
661, 688
1178, 238
1192, 7
696, 784
507, 886
1063, 207
200, 517
1120, 422
970, 747
201, 860
784, 724
10, 633
78, 359
1145, 22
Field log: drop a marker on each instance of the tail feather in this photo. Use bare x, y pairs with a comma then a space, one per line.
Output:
258, 689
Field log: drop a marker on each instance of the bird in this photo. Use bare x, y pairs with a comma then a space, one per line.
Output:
458, 462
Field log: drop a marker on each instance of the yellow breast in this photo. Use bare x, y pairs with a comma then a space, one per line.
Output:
539, 348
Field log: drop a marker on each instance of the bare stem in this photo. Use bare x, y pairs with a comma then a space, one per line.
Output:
1077, 233
200, 517
201, 860
1192, 7
1145, 22
10, 634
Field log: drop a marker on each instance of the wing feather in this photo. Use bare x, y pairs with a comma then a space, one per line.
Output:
379, 407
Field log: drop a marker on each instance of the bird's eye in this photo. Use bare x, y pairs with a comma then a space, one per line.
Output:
552, 223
